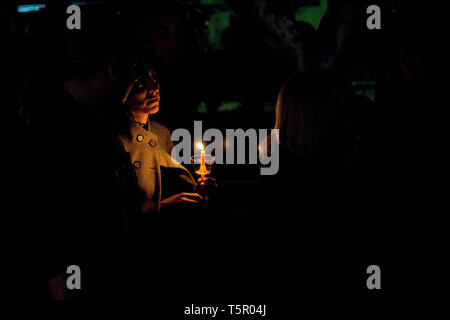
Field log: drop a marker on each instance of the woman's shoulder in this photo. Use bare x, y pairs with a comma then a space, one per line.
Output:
163, 134
159, 129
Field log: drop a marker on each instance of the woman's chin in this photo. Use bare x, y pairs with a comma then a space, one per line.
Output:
153, 108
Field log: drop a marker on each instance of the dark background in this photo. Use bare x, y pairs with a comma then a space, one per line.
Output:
233, 66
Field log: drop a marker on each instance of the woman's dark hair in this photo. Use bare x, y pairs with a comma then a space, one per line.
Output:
309, 107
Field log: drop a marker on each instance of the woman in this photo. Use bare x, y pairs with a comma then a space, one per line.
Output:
305, 212
164, 183
315, 134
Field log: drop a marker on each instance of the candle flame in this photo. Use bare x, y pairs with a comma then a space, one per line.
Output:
200, 145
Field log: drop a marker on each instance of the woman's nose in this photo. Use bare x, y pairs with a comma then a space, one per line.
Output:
153, 93
151, 85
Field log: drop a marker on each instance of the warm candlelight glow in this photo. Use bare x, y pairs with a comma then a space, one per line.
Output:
202, 170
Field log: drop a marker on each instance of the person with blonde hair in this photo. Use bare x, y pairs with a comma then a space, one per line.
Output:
309, 108
303, 213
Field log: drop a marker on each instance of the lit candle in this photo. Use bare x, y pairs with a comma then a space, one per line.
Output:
202, 171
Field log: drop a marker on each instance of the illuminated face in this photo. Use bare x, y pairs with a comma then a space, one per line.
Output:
144, 97
165, 35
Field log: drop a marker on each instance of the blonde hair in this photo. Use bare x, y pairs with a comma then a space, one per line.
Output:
308, 104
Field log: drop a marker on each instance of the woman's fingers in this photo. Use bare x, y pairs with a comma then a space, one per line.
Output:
209, 181
183, 198
186, 199
192, 195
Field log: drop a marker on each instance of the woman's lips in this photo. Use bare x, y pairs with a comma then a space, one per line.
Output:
153, 100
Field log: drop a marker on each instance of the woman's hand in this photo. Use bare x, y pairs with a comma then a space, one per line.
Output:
184, 198
206, 183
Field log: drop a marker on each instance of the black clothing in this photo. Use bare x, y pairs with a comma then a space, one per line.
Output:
87, 192
309, 228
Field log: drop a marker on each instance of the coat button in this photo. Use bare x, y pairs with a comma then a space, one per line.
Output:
140, 138
137, 164
152, 143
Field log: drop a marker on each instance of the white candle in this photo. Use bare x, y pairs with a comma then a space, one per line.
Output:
202, 171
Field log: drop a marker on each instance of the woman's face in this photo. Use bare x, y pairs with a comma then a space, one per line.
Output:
144, 97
